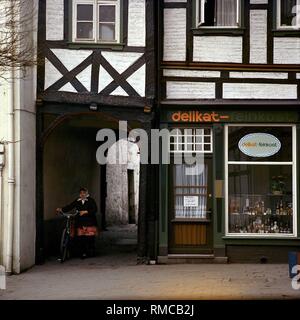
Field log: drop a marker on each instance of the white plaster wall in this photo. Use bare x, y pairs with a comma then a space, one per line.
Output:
259, 75
4, 87
258, 1
55, 19
258, 36
137, 23
25, 118
23, 89
259, 91
191, 73
121, 61
117, 181
190, 90
287, 50
218, 49
70, 59
174, 35
138, 81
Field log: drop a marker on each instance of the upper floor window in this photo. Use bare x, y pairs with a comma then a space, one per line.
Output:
288, 14
96, 21
218, 13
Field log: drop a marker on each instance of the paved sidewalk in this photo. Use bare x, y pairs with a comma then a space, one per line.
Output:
118, 277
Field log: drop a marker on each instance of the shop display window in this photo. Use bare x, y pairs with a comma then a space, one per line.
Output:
260, 180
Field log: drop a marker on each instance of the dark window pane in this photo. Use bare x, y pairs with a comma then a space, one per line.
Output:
288, 12
283, 134
107, 32
209, 13
222, 13
260, 199
85, 12
107, 13
85, 30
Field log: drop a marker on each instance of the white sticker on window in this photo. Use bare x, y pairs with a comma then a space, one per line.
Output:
260, 145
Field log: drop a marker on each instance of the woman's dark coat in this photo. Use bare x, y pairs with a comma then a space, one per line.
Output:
87, 220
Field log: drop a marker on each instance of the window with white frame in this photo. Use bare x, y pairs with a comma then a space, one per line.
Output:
288, 14
218, 13
96, 21
191, 140
190, 181
261, 180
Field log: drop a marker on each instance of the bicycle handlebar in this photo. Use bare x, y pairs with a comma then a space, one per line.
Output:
69, 214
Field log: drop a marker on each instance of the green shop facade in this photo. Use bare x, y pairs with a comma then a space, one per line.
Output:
241, 203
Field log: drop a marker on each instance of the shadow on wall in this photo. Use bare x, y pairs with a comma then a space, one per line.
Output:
69, 163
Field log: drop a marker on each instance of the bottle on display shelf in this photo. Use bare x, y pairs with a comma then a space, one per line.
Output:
263, 207
277, 209
276, 228
281, 208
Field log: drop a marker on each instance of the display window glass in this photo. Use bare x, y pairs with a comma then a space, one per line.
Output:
261, 181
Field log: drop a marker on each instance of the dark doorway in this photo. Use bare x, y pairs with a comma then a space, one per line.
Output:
103, 195
131, 198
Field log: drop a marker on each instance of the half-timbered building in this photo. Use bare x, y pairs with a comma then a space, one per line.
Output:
96, 68
230, 82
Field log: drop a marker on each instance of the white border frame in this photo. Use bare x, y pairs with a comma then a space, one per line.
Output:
294, 172
201, 20
278, 17
96, 4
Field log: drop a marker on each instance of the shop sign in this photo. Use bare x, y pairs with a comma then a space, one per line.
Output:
208, 116
259, 145
190, 202
198, 117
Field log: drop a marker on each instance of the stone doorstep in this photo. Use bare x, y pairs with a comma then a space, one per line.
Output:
191, 259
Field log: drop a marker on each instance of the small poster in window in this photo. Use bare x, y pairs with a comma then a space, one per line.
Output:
191, 201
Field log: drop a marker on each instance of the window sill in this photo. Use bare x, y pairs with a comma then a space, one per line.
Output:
192, 220
218, 31
286, 33
93, 45
260, 237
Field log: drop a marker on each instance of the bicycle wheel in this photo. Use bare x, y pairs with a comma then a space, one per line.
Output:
64, 246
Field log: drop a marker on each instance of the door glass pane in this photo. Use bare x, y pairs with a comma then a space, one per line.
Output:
190, 190
288, 12
260, 199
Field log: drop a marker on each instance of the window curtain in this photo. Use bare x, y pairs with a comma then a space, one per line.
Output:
288, 12
187, 180
226, 13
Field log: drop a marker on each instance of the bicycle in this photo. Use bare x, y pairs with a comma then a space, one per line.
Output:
66, 236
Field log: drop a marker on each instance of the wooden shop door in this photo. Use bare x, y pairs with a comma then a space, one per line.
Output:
190, 213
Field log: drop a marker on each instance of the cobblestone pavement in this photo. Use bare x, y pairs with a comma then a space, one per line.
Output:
114, 274
112, 277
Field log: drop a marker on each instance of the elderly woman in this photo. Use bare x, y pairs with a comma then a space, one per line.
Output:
85, 223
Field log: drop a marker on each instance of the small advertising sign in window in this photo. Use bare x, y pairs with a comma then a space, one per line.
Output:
260, 145
191, 201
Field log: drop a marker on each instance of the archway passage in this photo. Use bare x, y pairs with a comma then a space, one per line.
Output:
69, 162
